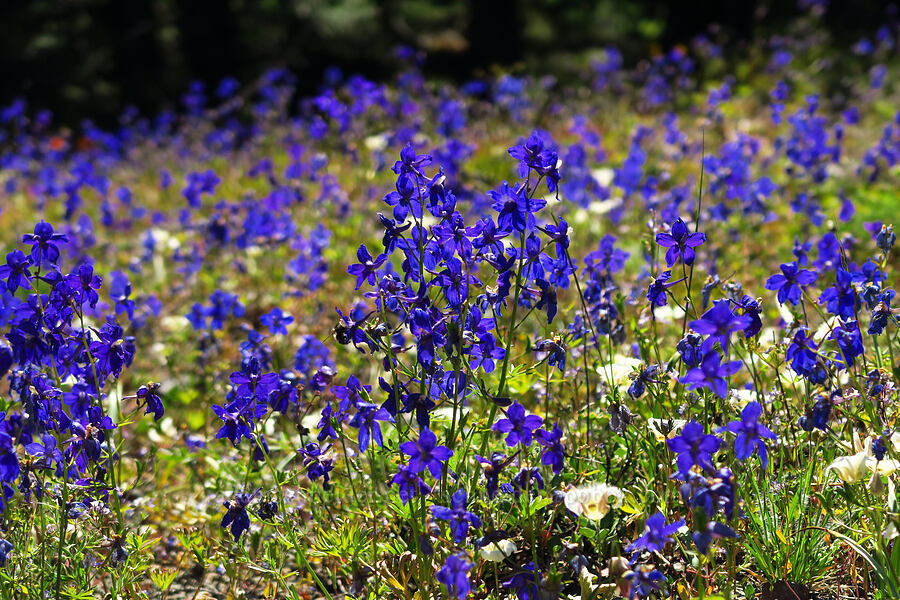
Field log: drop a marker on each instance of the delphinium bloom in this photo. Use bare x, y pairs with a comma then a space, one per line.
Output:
718, 322
680, 243
365, 269
711, 373
276, 321
425, 453
656, 292
713, 530
694, 447
410, 484
517, 425
367, 420
515, 207
458, 516
841, 298
525, 583
710, 492
656, 534
554, 352
751, 308
881, 313
317, 461
641, 378
453, 575
804, 358
788, 282
817, 417
690, 349
236, 517
492, 469
645, 580
148, 397
5, 549
16, 271
43, 248
535, 156
554, 452
750, 433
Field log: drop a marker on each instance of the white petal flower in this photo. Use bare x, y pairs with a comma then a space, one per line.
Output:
498, 551
594, 501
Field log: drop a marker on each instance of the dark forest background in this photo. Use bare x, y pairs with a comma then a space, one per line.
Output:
83, 58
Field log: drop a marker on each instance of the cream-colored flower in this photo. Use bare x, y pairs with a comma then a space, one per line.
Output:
594, 501
854, 467
498, 551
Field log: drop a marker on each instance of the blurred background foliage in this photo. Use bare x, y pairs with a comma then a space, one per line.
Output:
83, 58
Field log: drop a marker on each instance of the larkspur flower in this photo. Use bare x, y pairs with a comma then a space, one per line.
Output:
525, 583
368, 419
694, 447
365, 269
236, 518
656, 534
680, 243
457, 515
425, 453
517, 426
788, 283
554, 451
656, 292
515, 207
409, 483
750, 433
43, 247
645, 580
718, 322
711, 373
454, 575
16, 272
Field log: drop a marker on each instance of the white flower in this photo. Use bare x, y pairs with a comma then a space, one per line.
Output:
854, 467
498, 551
594, 501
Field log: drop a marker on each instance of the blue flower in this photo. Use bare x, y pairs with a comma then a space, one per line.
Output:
517, 425
554, 451
656, 534
680, 243
236, 516
367, 420
841, 299
750, 434
533, 155
460, 519
718, 322
694, 447
16, 271
365, 269
525, 583
410, 484
453, 575
656, 292
426, 454
516, 208
5, 548
276, 320
42, 247
711, 373
713, 530
788, 282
